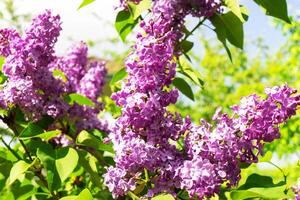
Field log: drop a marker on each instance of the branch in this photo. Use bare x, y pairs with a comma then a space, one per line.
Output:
11, 150
195, 28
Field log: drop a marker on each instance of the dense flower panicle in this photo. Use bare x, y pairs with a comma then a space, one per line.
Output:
239, 138
35, 49
85, 78
173, 9
143, 134
169, 8
26, 63
258, 120
31, 85
42, 36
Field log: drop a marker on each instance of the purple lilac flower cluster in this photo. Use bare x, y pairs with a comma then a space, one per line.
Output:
235, 139
144, 136
26, 64
85, 78
31, 85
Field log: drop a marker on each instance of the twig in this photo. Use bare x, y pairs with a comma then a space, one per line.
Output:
195, 28
284, 175
26, 150
11, 150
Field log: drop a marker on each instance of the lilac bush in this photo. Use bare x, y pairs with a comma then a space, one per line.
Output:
50, 104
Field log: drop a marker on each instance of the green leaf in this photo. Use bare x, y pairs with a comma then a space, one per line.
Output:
79, 99
89, 163
188, 71
275, 8
17, 170
221, 33
59, 164
261, 193
256, 181
45, 122
245, 13
163, 197
23, 192
85, 3
234, 29
31, 130
65, 162
60, 74
124, 24
47, 155
183, 87
45, 136
85, 195
185, 46
244, 165
121, 74
137, 9
229, 27
234, 6
243, 194
86, 139
68, 198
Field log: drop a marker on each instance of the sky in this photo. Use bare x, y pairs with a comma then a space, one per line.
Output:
95, 22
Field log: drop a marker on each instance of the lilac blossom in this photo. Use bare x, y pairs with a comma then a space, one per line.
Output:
145, 135
29, 66
26, 65
85, 78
